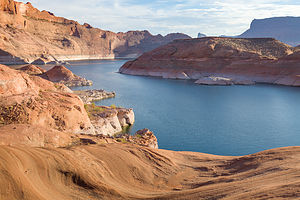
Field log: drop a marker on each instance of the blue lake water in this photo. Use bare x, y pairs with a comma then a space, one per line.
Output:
222, 120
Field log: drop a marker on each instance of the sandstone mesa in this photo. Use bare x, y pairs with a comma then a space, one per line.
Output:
221, 61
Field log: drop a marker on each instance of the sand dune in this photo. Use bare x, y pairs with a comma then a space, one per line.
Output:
114, 171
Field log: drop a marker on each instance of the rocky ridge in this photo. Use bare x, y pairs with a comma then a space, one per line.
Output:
231, 60
28, 35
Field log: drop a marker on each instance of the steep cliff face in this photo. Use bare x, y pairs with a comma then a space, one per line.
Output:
221, 61
285, 29
27, 34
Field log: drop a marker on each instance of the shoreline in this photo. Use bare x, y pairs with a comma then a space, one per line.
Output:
213, 84
63, 61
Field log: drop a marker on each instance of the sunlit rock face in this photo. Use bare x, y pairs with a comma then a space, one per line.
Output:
28, 35
31, 100
221, 61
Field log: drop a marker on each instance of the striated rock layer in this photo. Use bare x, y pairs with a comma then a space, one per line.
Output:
28, 35
221, 61
120, 171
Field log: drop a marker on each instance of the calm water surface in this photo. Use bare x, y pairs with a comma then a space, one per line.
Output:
233, 120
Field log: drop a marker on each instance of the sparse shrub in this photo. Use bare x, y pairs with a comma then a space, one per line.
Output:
122, 140
93, 109
113, 106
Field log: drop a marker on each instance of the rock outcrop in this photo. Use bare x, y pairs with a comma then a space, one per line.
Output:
146, 138
88, 96
233, 60
37, 112
32, 100
285, 29
61, 74
33, 70
109, 120
28, 35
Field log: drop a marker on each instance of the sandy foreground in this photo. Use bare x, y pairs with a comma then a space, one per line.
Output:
125, 171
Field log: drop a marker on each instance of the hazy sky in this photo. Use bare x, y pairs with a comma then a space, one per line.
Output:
211, 17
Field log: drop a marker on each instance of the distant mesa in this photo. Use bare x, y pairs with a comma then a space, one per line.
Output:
200, 35
285, 29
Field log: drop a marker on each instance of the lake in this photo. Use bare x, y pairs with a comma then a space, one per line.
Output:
222, 120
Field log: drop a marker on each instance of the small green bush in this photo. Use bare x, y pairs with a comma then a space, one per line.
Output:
122, 140
113, 106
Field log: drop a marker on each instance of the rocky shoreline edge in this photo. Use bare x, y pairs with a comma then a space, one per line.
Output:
89, 96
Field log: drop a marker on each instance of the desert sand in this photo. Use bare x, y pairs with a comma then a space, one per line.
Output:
114, 171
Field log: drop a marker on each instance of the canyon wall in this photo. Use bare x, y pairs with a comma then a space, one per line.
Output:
27, 34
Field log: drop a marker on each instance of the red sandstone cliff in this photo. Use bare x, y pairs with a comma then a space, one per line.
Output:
27, 34
221, 61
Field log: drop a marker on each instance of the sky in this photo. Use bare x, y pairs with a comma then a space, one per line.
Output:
211, 17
